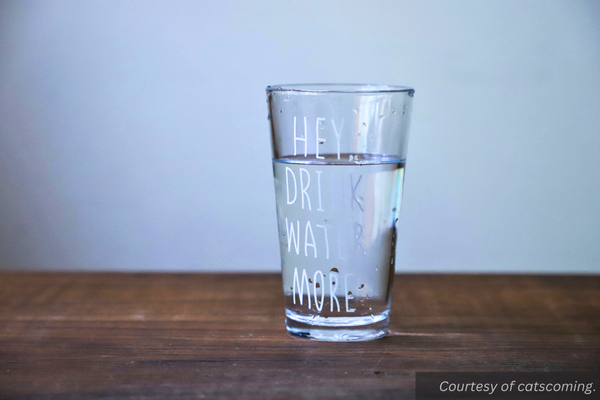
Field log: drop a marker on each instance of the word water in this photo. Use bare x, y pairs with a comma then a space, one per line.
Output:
337, 231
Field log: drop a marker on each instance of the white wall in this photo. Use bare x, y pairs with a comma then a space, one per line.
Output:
133, 134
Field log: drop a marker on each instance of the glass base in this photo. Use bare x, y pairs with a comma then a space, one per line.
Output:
337, 329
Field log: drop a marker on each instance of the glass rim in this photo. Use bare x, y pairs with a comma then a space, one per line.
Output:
352, 88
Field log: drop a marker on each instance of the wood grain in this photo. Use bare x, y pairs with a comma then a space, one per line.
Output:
144, 336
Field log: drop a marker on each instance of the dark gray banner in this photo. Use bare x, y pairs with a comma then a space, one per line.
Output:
507, 385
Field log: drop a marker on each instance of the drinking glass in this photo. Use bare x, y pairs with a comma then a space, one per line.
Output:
339, 152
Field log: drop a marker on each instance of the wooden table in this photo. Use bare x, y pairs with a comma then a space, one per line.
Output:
82, 335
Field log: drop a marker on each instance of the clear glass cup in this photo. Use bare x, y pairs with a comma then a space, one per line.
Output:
339, 152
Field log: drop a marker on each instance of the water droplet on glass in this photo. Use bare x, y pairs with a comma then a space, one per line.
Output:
349, 293
361, 286
309, 280
364, 124
351, 157
324, 221
280, 111
269, 117
321, 142
394, 209
318, 285
370, 308
334, 270
381, 116
393, 112
358, 134
355, 111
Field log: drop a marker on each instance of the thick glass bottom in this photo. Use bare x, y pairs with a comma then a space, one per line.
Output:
337, 329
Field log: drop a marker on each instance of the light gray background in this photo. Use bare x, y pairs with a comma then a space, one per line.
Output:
133, 134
